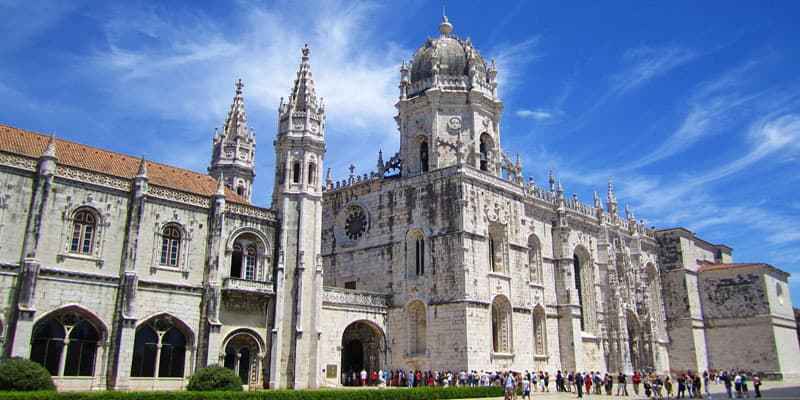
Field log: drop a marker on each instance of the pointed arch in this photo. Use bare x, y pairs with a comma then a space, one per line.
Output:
162, 347
67, 341
243, 351
415, 252
502, 328
485, 148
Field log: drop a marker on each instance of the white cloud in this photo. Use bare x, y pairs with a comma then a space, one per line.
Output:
536, 115
511, 60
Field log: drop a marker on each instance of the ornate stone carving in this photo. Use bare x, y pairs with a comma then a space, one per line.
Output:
352, 297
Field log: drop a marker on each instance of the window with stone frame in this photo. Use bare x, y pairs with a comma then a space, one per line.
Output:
501, 325
539, 331
171, 239
160, 348
296, 172
485, 149
312, 173
248, 258
66, 344
423, 155
496, 248
535, 259
84, 229
584, 286
417, 328
415, 252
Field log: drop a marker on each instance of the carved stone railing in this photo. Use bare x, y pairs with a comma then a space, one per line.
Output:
250, 211
246, 285
348, 297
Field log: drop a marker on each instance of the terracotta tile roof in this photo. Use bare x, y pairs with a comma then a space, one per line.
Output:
32, 144
709, 266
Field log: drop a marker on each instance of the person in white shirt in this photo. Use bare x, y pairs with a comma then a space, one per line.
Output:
363, 377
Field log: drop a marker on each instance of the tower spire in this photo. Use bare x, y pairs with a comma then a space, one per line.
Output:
234, 147
303, 96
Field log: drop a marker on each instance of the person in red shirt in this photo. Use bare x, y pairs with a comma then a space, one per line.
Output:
587, 381
637, 379
373, 378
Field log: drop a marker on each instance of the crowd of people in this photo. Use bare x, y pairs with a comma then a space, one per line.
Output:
688, 385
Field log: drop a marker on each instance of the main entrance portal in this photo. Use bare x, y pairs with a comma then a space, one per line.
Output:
363, 349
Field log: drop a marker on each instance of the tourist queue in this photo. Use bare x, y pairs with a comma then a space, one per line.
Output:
688, 385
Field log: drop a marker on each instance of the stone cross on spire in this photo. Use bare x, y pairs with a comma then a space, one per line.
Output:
612, 198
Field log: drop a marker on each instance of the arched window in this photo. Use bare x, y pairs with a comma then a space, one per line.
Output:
415, 253
539, 332
246, 258
170, 246
419, 246
501, 325
485, 147
423, 155
84, 227
312, 173
159, 349
296, 172
535, 259
417, 328
66, 345
240, 190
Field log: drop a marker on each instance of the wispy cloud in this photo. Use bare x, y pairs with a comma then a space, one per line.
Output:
512, 60
646, 63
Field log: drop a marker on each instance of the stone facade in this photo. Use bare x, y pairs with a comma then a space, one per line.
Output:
121, 273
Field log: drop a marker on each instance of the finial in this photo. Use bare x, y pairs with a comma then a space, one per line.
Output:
611, 196
221, 185
142, 169
306, 51
50, 150
239, 86
445, 28
597, 203
551, 179
329, 176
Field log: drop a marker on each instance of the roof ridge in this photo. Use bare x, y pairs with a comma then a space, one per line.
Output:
149, 161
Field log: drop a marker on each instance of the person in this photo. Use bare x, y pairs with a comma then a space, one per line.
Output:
681, 386
526, 387
609, 382
622, 385
637, 379
509, 387
757, 385
578, 383
571, 381
745, 390
546, 381
697, 387
559, 381
668, 386
587, 382
726, 379
363, 376
706, 379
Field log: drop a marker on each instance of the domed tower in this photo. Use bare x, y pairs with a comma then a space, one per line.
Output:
234, 149
448, 112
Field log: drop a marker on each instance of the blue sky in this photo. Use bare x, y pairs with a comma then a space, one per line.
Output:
692, 107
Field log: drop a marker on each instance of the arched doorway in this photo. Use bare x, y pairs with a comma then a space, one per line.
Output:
363, 348
243, 355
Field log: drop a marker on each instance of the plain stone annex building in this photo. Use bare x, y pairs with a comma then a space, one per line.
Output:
122, 273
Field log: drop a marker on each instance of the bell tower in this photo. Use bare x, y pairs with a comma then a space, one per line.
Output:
234, 149
448, 110
297, 198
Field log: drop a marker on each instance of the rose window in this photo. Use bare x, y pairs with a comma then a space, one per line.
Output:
356, 223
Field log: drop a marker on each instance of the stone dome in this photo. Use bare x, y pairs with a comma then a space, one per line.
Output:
452, 55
